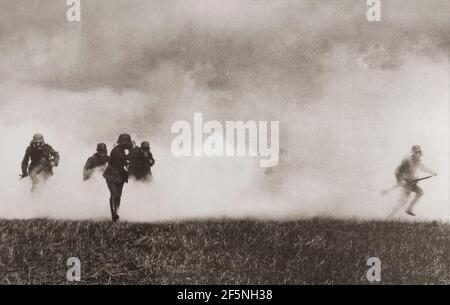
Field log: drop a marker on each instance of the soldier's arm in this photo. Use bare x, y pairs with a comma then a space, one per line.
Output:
425, 169
54, 154
89, 164
113, 156
152, 160
400, 171
86, 174
87, 169
25, 160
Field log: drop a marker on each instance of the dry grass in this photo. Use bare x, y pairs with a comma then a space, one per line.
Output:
223, 252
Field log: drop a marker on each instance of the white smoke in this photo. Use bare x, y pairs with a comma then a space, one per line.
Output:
339, 153
349, 108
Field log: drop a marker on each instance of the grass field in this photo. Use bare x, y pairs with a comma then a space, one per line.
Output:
317, 251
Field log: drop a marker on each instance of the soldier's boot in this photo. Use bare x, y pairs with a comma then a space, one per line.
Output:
411, 205
117, 208
113, 210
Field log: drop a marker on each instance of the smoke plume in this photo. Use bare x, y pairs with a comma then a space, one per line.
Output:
351, 97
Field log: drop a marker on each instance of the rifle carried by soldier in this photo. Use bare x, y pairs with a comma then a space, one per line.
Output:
407, 184
405, 175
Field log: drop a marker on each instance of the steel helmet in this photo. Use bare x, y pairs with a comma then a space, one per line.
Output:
38, 138
145, 144
101, 147
416, 148
125, 139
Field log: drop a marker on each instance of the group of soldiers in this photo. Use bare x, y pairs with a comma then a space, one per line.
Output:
128, 160
125, 160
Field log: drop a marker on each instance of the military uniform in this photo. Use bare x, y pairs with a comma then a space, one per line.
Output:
141, 162
116, 173
406, 174
43, 158
97, 161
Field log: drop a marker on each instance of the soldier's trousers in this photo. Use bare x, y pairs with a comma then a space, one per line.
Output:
38, 178
115, 189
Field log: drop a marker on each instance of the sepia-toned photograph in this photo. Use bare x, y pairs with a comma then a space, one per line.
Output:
211, 143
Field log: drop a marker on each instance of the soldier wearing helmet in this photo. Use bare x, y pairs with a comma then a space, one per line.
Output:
43, 158
116, 173
97, 161
141, 163
406, 174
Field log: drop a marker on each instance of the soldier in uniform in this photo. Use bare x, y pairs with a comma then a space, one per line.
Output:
43, 158
116, 173
406, 176
98, 161
141, 162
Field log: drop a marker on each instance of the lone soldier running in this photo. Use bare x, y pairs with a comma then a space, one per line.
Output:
43, 158
98, 161
116, 174
406, 177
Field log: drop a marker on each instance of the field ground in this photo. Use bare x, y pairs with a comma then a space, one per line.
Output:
318, 251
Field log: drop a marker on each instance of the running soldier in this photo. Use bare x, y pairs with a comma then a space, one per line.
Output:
43, 158
406, 177
116, 174
141, 163
96, 162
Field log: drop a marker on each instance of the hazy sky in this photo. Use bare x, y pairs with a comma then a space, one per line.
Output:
351, 96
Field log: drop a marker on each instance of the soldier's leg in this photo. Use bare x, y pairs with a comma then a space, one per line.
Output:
148, 177
34, 184
119, 195
36, 180
404, 195
419, 193
112, 199
44, 176
402, 200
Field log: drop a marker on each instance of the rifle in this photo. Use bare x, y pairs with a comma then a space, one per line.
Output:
38, 168
419, 179
410, 183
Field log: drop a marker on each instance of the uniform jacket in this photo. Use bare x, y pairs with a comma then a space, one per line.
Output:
117, 170
94, 162
141, 163
406, 171
40, 159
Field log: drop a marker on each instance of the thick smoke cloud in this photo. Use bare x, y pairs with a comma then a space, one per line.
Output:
351, 97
